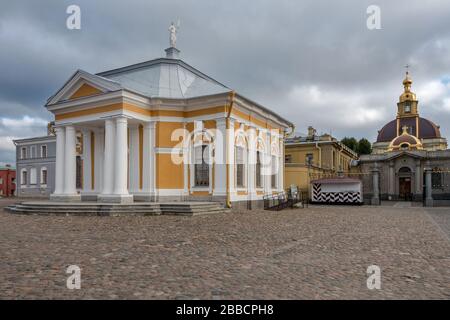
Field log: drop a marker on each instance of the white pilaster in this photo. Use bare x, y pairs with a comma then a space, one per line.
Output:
99, 142
230, 157
220, 174
148, 170
267, 164
281, 164
251, 164
59, 165
134, 159
87, 160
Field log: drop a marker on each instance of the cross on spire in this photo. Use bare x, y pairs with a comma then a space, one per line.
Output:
407, 68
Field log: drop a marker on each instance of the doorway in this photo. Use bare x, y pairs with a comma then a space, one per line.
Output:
405, 188
404, 184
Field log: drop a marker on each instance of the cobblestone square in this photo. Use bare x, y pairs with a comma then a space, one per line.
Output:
313, 253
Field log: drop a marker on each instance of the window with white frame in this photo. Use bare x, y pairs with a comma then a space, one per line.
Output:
33, 176
240, 166
201, 165
43, 176
44, 151
32, 151
258, 169
1, 180
274, 172
23, 153
24, 177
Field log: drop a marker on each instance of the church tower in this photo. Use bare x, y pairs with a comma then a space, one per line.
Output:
409, 131
407, 105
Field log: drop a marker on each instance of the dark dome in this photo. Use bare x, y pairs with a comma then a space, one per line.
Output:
427, 129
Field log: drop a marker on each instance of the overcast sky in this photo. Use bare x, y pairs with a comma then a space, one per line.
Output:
313, 62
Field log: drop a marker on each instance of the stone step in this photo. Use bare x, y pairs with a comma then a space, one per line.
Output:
100, 209
84, 213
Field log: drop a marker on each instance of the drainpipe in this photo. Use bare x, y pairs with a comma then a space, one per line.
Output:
228, 201
320, 154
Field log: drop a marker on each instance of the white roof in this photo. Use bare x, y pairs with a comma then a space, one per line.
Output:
165, 78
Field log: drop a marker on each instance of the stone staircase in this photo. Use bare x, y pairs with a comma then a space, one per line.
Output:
192, 208
102, 209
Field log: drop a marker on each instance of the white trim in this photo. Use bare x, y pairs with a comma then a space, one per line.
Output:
169, 192
168, 150
100, 83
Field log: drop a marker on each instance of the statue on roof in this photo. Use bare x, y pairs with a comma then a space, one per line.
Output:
173, 29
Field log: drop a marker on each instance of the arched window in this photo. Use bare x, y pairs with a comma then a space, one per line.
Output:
260, 147
201, 165
240, 160
404, 146
274, 165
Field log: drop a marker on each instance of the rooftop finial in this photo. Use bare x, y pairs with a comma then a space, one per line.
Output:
172, 52
407, 82
173, 29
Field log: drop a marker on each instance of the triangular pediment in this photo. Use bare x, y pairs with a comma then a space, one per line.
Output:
85, 90
83, 84
406, 154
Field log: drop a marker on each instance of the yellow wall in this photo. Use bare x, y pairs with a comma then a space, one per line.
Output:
298, 176
327, 163
168, 174
84, 91
164, 131
298, 154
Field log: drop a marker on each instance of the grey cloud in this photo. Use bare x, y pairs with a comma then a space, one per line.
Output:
264, 49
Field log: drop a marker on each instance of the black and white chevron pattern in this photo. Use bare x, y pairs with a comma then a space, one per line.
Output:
334, 197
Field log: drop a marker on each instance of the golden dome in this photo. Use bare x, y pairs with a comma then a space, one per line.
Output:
407, 95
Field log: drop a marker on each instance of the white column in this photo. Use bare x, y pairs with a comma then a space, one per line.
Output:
59, 165
108, 165
99, 142
121, 159
134, 158
87, 160
70, 162
220, 170
148, 169
230, 153
267, 165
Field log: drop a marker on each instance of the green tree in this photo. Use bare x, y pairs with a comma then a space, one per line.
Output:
364, 146
351, 143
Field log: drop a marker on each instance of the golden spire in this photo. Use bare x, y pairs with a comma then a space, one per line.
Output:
407, 82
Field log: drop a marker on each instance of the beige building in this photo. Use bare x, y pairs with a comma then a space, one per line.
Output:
314, 156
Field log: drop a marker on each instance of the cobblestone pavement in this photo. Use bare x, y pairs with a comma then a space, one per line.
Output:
441, 218
314, 253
